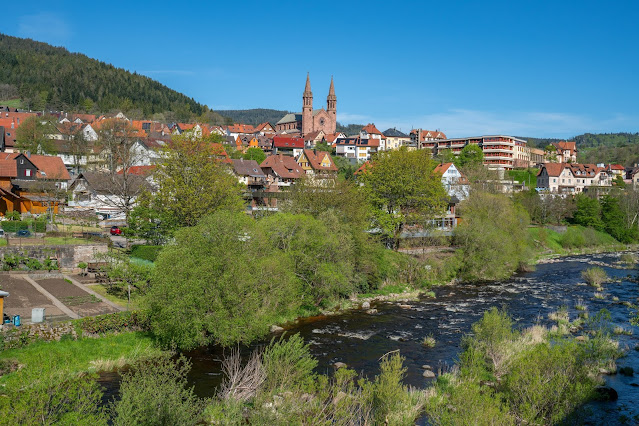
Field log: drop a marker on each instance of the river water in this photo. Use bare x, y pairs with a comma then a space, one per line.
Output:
360, 339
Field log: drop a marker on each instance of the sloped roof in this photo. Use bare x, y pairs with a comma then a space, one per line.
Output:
284, 166
357, 141
261, 126
139, 170
291, 117
394, 133
8, 168
553, 169
288, 142
371, 129
315, 159
441, 168
566, 145
244, 167
241, 128
49, 166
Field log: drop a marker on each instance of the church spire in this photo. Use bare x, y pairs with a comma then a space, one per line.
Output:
308, 84
331, 99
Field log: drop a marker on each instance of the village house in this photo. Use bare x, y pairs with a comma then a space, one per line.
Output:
571, 177
454, 181
31, 183
281, 170
420, 138
288, 145
565, 152
356, 148
395, 139
371, 132
317, 164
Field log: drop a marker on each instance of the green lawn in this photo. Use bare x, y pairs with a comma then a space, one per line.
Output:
3, 242
527, 177
69, 357
102, 291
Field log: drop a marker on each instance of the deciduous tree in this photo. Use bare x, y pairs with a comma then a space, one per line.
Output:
403, 188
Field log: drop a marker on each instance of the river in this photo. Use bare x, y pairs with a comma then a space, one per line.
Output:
360, 339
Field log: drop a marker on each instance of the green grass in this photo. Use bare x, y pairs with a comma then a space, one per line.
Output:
102, 291
12, 103
546, 239
386, 290
527, 177
70, 357
3, 242
59, 241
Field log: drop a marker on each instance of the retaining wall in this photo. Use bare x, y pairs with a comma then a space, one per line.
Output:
68, 255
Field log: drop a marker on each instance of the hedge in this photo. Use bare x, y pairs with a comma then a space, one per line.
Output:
145, 252
119, 321
16, 225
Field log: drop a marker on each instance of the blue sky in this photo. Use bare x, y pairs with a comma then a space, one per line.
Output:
529, 68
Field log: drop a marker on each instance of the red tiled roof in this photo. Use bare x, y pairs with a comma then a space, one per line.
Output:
241, 128
139, 170
284, 166
52, 166
441, 168
8, 168
565, 145
371, 129
617, 167
288, 142
315, 159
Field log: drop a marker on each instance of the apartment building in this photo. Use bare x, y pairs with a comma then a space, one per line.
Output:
500, 151
571, 177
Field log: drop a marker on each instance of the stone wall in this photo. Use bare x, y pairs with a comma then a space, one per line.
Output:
68, 255
27, 333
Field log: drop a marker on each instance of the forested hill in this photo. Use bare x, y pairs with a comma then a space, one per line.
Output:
618, 148
254, 116
48, 77
261, 115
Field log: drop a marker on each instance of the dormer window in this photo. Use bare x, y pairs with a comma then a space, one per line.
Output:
27, 172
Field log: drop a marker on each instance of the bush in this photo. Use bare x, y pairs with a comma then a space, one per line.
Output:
594, 276
222, 281
146, 252
288, 364
49, 400
548, 381
34, 265
154, 392
16, 225
116, 322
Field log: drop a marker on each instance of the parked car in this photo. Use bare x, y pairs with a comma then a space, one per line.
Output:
116, 230
23, 233
1, 233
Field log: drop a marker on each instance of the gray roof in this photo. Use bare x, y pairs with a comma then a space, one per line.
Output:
248, 168
394, 133
291, 117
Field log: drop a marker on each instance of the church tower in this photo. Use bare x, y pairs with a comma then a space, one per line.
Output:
307, 109
331, 106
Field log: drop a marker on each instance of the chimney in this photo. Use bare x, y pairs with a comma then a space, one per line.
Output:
28, 154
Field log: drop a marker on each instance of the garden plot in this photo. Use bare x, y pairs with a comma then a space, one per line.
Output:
23, 297
76, 299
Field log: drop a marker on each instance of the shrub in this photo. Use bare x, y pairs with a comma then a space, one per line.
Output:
594, 276
573, 238
154, 392
548, 381
146, 252
34, 264
288, 364
116, 322
50, 400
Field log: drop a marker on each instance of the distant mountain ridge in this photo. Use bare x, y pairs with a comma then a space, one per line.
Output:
253, 116
48, 77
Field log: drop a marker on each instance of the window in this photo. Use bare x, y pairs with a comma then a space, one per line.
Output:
27, 172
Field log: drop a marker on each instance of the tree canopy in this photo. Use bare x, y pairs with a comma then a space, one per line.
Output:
402, 187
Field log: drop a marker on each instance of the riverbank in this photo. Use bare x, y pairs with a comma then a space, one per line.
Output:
67, 358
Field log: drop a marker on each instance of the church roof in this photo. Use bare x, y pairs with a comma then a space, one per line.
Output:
291, 117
